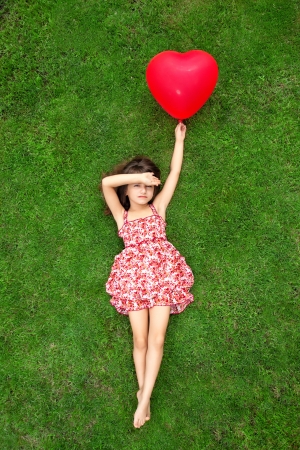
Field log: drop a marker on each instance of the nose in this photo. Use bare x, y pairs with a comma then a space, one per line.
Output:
143, 188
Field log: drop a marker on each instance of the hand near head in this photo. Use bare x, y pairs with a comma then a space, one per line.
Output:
180, 132
149, 179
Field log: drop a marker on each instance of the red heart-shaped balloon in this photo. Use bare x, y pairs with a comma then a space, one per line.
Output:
182, 82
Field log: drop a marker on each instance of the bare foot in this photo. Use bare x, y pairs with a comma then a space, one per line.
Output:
139, 394
140, 415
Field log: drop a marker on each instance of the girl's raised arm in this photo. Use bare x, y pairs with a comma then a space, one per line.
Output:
164, 197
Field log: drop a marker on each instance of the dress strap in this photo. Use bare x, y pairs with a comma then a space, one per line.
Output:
153, 209
125, 216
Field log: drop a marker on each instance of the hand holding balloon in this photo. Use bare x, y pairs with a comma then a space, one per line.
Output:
180, 132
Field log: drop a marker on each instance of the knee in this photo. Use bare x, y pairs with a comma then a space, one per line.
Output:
140, 343
157, 341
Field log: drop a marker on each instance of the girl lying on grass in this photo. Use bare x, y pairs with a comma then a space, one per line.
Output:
149, 279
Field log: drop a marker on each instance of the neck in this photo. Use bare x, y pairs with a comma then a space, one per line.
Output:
134, 207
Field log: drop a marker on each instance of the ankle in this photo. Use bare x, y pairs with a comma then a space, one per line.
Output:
144, 399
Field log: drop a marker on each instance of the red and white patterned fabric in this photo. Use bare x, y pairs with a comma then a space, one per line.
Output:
149, 271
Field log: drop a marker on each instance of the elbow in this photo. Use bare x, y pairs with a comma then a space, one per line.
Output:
106, 184
102, 184
106, 181
175, 171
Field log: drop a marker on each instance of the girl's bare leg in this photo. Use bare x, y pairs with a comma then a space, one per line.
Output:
139, 321
159, 318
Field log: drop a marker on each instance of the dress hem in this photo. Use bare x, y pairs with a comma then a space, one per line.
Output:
173, 307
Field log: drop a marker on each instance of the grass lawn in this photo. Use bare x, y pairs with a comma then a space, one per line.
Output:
74, 102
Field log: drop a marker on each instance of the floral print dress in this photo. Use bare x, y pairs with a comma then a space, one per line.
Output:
149, 271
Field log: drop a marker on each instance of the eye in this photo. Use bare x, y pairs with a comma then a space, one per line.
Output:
136, 185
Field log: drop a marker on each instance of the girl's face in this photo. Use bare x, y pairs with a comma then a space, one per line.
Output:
140, 193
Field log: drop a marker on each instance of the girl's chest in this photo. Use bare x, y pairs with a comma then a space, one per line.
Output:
152, 227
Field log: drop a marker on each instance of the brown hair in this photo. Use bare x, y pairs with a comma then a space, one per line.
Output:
139, 164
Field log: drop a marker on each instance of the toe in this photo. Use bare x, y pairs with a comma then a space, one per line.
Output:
137, 423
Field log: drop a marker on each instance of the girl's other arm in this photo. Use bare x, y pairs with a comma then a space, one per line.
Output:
109, 185
164, 197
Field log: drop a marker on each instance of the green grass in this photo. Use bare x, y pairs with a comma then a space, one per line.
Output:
74, 103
